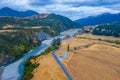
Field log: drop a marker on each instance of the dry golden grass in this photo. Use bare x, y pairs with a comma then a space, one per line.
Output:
97, 62
48, 69
7, 26
1, 31
76, 42
98, 37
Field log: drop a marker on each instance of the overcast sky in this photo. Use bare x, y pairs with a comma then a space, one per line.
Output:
74, 9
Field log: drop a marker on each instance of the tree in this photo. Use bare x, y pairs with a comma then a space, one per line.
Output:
68, 48
112, 29
56, 42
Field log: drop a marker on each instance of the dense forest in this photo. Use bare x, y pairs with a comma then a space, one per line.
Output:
108, 30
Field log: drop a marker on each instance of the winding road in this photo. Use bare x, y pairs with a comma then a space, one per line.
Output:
61, 65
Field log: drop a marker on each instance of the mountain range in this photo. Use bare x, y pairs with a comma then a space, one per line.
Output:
99, 19
27, 30
14, 13
21, 19
15, 44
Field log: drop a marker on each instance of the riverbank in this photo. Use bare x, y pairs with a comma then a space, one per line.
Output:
49, 68
14, 45
1, 71
31, 63
18, 65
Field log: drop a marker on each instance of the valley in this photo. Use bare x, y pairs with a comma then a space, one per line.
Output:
24, 40
59, 40
29, 30
90, 57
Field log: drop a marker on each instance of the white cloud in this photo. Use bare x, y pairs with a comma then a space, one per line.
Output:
62, 1
17, 4
75, 12
61, 7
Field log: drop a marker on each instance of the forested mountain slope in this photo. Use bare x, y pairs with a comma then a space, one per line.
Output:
99, 19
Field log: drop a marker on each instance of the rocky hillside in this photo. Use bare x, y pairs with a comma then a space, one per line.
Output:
42, 36
15, 44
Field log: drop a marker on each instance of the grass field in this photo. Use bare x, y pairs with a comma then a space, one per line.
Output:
99, 61
48, 69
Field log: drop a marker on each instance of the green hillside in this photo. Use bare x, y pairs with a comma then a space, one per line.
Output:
112, 29
15, 44
56, 22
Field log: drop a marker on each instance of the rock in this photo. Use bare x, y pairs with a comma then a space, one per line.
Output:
42, 36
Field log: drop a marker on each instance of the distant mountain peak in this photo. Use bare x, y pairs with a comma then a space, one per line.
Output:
104, 14
31, 11
99, 19
6, 11
107, 13
6, 8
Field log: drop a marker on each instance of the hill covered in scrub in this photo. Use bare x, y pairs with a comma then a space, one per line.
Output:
108, 30
112, 29
56, 22
15, 44
21, 31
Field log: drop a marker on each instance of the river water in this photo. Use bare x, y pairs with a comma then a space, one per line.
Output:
14, 70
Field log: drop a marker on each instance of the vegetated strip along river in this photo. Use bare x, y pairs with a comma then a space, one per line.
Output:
14, 70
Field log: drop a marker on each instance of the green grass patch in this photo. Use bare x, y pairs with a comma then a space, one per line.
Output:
29, 67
